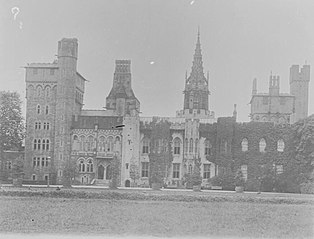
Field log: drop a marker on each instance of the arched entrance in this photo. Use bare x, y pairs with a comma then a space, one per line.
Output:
127, 183
101, 171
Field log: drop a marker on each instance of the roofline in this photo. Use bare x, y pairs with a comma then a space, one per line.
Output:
81, 76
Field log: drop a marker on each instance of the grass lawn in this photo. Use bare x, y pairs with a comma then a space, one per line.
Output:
213, 218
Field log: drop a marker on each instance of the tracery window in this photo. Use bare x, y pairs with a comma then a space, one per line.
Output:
177, 145
207, 147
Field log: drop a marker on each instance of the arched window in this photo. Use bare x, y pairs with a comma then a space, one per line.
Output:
190, 169
38, 90
47, 91
262, 145
47, 144
90, 143
207, 147
110, 144
145, 146
36, 125
38, 109
81, 166
186, 145
82, 143
196, 146
177, 145
280, 145
90, 166
76, 144
38, 144
101, 144
245, 145
47, 109
35, 144
44, 144
191, 145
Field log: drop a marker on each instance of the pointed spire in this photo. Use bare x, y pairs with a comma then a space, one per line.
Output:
198, 45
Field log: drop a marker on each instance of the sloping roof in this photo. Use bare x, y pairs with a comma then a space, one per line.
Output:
103, 122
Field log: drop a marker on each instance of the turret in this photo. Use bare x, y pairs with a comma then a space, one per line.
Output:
273, 85
299, 87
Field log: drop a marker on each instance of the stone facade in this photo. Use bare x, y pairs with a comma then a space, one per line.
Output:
282, 107
95, 141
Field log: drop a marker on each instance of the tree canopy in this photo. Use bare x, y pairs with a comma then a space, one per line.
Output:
11, 121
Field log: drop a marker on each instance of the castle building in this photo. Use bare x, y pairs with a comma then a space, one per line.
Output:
282, 107
96, 144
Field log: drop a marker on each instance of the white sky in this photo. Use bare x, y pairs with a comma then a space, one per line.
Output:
240, 40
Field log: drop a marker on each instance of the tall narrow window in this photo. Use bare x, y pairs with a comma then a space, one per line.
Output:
82, 143
244, 171
34, 162
262, 145
47, 91
206, 173
46, 161
38, 109
110, 144
90, 166
207, 147
176, 170
196, 146
190, 169
245, 145
186, 145
177, 143
36, 125
44, 144
280, 145
47, 109
38, 161
43, 162
144, 169
145, 146
39, 125
191, 145
47, 144
38, 144
81, 166
47, 125
35, 144
44, 125
101, 144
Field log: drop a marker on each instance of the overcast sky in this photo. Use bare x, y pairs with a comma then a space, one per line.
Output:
240, 40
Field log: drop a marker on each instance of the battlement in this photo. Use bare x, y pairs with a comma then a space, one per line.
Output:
123, 66
68, 47
299, 74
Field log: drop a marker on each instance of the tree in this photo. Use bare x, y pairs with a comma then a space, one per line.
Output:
300, 163
11, 123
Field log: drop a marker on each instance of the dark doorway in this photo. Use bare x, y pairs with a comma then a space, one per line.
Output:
101, 171
127, 183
